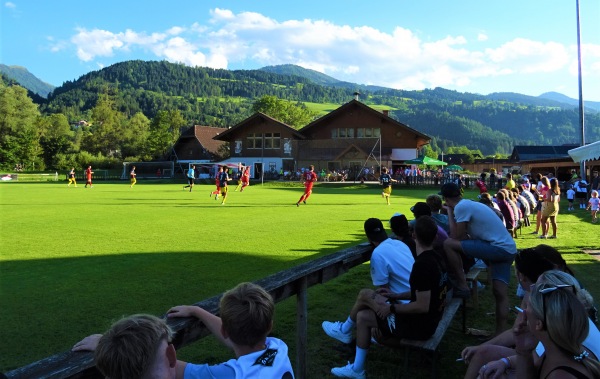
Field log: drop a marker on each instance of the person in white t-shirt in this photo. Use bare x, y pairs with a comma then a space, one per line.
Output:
571, 198
476, 231
594, 205
391, 265
581, 192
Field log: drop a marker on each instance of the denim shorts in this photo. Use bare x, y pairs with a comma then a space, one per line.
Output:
500, 261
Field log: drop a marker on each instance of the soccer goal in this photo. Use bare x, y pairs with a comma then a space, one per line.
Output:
149, 170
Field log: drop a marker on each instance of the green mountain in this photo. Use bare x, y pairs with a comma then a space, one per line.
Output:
204, 96
27, 80
317, 77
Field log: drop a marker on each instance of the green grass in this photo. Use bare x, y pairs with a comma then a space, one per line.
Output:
73, 260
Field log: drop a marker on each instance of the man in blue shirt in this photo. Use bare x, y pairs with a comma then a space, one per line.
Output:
190, 177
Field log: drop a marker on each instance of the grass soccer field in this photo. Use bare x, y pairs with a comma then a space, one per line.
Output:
73, 259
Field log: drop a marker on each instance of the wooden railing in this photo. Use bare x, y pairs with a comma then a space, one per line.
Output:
282, 285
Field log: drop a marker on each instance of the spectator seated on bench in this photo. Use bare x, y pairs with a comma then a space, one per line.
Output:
418, 319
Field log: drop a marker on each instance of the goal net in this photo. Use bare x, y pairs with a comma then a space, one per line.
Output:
149, 170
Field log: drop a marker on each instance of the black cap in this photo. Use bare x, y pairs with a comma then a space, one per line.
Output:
420, 209
374, 230
450, 190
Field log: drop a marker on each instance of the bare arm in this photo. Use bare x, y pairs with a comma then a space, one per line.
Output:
458, 230
420, 305
212, 322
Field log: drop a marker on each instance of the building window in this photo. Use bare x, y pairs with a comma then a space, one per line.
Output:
368, 132
254, 141
342, 133
272, 140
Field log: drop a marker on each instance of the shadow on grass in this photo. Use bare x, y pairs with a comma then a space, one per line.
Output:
49, 304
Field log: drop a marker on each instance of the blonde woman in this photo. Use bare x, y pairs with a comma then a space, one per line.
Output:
557, 318
550, 209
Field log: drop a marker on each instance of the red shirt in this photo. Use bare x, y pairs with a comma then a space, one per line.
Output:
88, 173
309, 178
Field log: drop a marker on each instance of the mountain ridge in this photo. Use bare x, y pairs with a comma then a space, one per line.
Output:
27, 80
550, 99
223, 98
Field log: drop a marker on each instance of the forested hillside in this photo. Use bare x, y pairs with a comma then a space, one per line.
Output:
223, 98
27, 79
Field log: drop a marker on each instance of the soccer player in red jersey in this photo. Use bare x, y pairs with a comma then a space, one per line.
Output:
217, 192
245, 178
88, 177
309, 178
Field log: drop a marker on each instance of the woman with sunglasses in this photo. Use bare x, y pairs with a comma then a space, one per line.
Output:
496, 358
555, 317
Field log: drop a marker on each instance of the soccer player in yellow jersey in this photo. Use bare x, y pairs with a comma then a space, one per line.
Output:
386, 182
72, 177
132, 176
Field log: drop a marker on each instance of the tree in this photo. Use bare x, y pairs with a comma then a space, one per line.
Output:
18, 135
135, 138
107, 128
165, 130
55, 137
293, 114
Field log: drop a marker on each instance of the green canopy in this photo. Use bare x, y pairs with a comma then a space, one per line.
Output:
454, 167
425, 160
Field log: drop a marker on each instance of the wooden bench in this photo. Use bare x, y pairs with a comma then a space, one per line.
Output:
432, 344
473, 281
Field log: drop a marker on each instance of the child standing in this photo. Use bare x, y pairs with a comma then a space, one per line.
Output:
571, 198
594, 205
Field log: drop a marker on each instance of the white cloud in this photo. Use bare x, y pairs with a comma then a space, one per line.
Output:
10, 5
361, 54
91, 44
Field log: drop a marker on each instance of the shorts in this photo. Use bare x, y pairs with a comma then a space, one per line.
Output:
500, 261
570, 201
404, 326
581, 195
224, 191
387, 190
191, 181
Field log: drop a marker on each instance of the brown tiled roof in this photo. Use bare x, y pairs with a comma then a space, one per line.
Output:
205, 135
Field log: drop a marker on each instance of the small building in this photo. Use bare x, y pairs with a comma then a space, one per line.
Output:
198, 143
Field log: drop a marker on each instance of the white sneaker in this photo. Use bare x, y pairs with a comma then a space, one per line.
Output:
334, 330
348, 372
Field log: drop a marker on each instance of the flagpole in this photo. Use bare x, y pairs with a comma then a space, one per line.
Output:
581, 108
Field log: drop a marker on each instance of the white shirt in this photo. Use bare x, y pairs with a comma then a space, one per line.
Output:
391, 264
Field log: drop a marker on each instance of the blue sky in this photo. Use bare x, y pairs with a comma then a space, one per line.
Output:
525, 46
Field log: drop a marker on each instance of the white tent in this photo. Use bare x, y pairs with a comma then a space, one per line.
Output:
589, 152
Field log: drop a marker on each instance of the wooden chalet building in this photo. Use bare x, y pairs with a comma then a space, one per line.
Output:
350, 137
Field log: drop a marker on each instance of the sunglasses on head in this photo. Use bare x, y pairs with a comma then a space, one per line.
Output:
546, 290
